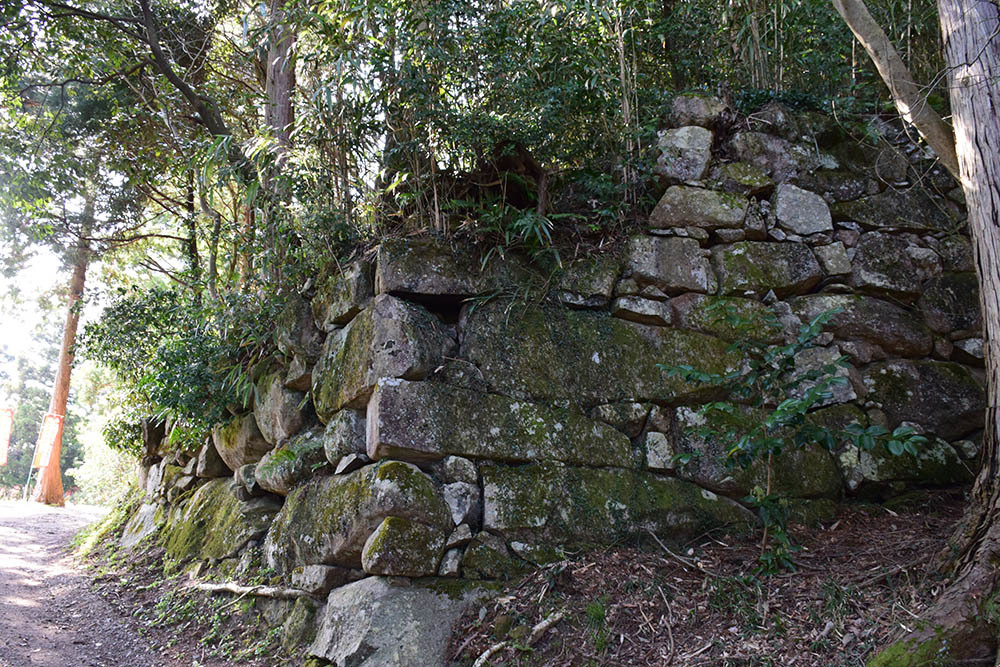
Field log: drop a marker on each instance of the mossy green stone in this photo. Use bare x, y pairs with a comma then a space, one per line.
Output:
403, 548
300, 626
427, 420
212, 523
548, 353
751, 267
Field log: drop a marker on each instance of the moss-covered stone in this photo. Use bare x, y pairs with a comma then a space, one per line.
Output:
950, 304
706, 314
428, 268
929, 652
587, 358
744, 178
299, 627
279, 412
671, 264
344, 435
428, 420
487, 557
755, 268
894, 329
403, 548
936, 464
294, 330
889, 264
240, 442
285, 466
944, 397
212, 523
551, 503
392, 339
911, 209
328, 519
684, 206
341, 293
589, 282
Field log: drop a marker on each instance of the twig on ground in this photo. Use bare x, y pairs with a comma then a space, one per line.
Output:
536, 634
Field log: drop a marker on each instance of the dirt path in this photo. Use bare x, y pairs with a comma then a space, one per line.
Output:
49, 617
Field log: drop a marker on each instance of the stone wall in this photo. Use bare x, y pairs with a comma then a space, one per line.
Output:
426, 419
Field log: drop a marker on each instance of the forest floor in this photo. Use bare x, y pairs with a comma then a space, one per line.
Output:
49, 616
862, 579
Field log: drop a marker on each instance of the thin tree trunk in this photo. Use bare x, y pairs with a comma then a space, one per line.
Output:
50, 487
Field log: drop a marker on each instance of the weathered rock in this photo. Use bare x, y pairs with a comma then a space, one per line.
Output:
426, 421
673, 265
299, 626
341, 293
683, 206
403, 548
778, 157
628, 417
392, 339
885, 264
328, 519
892, 328
350, 463
659, 452
212, 523
209, 464
955, 252
809, 472
453, 469
820, 359
146, 521
428, 268
451, 563
758, 267
282, 468
702, 110
246, 483
707, 314
744, 178
153, 432
943, 397
464, 501
460, 373
950, 304
642, 311
551, 502
684, 154
936, 463
487, 557
387, 622
836, 185
588, 283
833, 258
540, 353
279, 412
459, 537
800, 211
240, 442
295, 332
970, 351
321, 579
911, 210
345, 435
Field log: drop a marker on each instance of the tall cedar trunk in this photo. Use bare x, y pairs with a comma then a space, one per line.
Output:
50, 487
961, 625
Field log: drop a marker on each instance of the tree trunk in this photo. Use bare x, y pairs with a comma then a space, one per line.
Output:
961, 626
50, 488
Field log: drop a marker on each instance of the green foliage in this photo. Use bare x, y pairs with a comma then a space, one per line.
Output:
179, 359
766, 411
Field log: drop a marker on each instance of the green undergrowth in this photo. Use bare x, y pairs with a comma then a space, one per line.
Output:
90, 538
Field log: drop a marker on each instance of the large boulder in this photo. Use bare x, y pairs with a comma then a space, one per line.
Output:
800, 211
209, 463
674, 265
684, 154
431, 269
282, 468
546, 503
280, 412
702, 110
392, 339
390, 622
341, 293
910, 210
588, 282
428, 420
213, 524
754, 268
683, 206
936, 463
327, 520
538, 353
707, 314
403, 548
295, 333
240, 442
894, 329
889, 264
944, 397
781, 159
950, 304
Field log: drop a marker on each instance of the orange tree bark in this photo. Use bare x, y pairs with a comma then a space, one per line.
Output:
962, 625
50, 487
